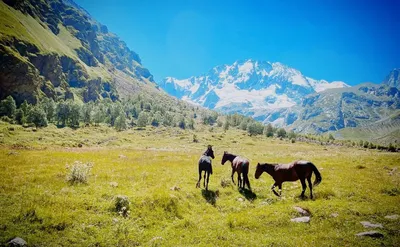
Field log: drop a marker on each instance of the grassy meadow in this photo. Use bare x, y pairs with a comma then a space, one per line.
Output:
157, 169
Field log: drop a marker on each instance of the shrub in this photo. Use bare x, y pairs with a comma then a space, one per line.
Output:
122, 205
79, 172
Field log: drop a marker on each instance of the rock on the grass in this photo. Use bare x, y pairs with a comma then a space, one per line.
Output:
334, 215
240, 199
302, 211
372, 234
114, 184
368, 224
17, 242
392, 217
305, 219
175, 188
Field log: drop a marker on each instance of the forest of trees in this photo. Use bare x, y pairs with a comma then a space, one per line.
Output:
142, 111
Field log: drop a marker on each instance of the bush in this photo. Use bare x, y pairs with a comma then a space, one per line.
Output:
79, 172
122, 204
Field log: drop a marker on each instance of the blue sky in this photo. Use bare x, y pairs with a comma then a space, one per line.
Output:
352, 41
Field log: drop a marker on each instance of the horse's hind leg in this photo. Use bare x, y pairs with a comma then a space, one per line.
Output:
310, 186
247, 181
208, 177
239, 180
233, 172
198, 182
304, 186
205, 173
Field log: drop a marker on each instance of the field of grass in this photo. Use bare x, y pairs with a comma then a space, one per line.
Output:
157, 169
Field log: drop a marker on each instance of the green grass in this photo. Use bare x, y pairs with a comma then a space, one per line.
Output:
39, 205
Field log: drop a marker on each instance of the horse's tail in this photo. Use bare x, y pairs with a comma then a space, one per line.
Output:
318, 177
246, 175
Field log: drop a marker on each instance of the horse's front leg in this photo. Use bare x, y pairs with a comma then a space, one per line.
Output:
233, 172
272, 188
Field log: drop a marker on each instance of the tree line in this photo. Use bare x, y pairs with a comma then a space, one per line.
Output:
143, 110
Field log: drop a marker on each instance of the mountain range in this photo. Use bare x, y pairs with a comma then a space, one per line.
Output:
278, 94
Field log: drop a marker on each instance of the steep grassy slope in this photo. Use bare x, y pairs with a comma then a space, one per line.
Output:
55, 49
157, 170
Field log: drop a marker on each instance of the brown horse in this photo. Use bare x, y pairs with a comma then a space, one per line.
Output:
239, 165
205, 165
290, 172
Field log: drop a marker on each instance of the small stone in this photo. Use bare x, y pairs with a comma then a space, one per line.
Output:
368, 224
156, 239
115, 220
17, 242
114, 184
240, 199
121, 156
302, 211
372, 234
334, 215
175, 188
392, 217
304, 219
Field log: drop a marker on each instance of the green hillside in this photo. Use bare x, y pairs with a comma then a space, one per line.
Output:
52, 49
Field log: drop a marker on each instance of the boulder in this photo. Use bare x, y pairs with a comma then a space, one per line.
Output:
302, 211
305, 219
368, 224
17, 242
372, 234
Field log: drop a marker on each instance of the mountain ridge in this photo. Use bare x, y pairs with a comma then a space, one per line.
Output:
55, 49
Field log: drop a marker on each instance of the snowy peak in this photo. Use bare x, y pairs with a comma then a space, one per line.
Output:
247, 86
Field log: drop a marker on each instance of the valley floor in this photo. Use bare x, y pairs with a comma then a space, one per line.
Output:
157, 169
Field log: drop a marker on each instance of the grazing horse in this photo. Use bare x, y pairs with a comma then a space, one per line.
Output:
205, 165
290, 172
239, 165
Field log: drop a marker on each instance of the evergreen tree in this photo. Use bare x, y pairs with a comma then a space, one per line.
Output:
62, 113
37, 116
281, 133
142, 119
49, 107
74, 114
20, 116
120, 122
8, 107
269, 131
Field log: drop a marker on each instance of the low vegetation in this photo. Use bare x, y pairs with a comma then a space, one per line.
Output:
153, 170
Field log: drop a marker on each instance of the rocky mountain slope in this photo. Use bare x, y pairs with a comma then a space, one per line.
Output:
249, 87
53, 48
277, 94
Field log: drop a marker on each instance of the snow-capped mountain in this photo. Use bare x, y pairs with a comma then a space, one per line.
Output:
253, 88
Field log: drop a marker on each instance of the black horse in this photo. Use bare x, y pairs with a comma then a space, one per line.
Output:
205, 165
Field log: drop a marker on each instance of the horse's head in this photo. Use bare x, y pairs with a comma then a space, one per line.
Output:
209, 152
259, 171
224, 158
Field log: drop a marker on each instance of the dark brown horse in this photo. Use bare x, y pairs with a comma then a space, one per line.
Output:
290, 172
239, 165
205, 165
